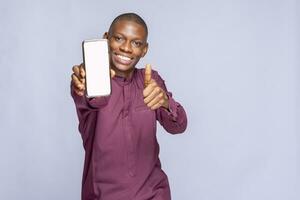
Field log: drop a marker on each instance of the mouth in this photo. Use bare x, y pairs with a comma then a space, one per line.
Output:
122, 59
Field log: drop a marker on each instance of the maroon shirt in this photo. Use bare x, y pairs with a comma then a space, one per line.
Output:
119, 138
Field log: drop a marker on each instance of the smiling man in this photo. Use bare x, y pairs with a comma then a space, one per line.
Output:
119, 131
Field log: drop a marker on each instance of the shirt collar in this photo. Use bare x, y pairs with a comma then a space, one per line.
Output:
124, 81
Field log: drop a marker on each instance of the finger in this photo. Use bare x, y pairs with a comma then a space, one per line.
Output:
77, 80
75, 69
155, 100
82, 80
152, 95
112, 73
79, 93
76, 90
82, 71
148, 72
158, 105
149, 88
77, 83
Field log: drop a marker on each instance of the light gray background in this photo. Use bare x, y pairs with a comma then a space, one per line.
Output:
233, 65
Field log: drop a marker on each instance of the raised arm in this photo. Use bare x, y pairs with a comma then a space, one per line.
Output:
86, 108
170, 114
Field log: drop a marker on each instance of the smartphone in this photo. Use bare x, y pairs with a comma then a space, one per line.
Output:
97, 70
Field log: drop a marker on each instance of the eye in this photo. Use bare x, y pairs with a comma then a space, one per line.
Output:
118, 38
137, 43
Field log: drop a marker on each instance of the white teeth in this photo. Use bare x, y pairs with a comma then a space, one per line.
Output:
124, 57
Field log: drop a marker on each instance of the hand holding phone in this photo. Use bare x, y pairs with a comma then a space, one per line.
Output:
78, 78
79, 71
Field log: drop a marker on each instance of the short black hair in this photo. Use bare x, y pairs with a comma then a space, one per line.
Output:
130, 17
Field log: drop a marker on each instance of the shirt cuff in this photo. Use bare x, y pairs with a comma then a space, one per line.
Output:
173, 107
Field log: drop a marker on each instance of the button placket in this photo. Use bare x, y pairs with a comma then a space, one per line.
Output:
129, 132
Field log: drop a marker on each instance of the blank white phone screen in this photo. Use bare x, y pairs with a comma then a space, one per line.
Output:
96, 61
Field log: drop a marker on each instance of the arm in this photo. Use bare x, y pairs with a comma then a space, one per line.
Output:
169, 113
86, 108
173, 119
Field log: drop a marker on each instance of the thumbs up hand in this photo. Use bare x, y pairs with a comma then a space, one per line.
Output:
154, 96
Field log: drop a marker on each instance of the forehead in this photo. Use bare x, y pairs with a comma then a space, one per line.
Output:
129, 29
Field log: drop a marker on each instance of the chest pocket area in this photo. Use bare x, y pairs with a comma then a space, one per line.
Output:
144, 118
141, 110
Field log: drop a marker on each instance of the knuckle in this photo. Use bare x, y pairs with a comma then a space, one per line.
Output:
153, 84
144, 93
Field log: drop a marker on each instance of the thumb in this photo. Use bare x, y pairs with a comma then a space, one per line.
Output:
147, 75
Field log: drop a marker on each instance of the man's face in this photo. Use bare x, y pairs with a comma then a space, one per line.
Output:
128, 43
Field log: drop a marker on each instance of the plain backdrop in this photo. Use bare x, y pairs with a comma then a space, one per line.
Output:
233, 65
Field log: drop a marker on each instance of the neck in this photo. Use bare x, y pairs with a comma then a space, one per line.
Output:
125, 74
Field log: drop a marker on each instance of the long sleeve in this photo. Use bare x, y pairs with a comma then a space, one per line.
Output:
86, 109
174, 119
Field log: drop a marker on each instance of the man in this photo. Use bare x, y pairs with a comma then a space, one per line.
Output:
119, 131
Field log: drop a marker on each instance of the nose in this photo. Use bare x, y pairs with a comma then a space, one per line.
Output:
126, 47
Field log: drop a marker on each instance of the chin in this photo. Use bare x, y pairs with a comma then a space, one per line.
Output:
123, 68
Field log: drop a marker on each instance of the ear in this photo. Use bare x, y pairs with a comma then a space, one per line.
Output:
105, 35
145, 49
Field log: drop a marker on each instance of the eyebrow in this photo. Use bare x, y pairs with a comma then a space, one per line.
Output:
134, 38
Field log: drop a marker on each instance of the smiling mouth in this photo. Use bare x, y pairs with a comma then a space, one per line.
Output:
123, 59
